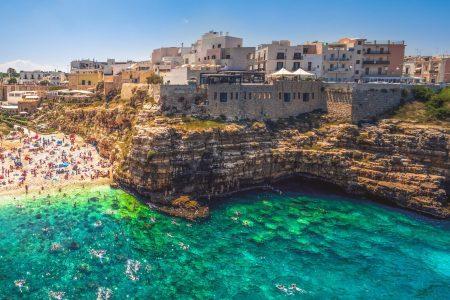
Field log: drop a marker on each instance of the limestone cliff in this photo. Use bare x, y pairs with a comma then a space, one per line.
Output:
401, 163
164, 158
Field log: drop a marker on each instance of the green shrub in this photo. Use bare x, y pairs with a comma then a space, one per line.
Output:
422, 93
151, 153
439, 105
405, 93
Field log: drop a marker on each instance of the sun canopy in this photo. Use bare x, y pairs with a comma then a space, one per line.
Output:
301, 72
281, 73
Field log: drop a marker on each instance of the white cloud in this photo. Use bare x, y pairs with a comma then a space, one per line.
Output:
24, 65
185, 21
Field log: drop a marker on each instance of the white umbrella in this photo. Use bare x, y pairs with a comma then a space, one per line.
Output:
302, 73
281, 73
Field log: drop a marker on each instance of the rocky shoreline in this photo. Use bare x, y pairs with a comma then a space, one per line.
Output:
161, 158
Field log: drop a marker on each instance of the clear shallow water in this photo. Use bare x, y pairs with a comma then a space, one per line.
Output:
329, 246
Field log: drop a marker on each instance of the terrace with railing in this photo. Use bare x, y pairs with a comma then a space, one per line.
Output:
384, 42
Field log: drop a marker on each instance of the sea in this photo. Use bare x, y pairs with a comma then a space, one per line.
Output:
301, 241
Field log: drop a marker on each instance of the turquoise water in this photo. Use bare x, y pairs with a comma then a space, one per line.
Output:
252, 246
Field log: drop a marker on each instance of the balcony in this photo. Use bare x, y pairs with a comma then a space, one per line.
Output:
376, 62
377, 52
338, 59
337, 70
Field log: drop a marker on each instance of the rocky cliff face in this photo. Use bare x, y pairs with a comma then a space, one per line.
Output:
164, 158
404, 164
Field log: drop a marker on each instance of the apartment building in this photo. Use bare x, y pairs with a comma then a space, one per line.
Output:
87, 64
35, 77
272, 57
430, 69
383, 58
216, 48
352, 59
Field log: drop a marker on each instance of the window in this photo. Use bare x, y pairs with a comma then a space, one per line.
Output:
227, 56
245, 95
312, 96
297, 55
215, 95
89, 82
279, 96
249, 95
305, 97
214, 46
305, 50
358, 51
279, 65
280, 55
83, 82
359, 42
358, 61
381, 50
357, 72
368, 50
213, 57
367, 71
219, 46
296, 66
299, 95
237, 96
309, 66
231, 96
287, 97
293, 96
380, 70
223, 97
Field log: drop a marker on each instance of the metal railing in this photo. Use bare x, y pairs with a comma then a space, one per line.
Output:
377, 52
376, 62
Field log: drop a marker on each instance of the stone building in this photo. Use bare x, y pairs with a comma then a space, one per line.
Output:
84, 79
279, 99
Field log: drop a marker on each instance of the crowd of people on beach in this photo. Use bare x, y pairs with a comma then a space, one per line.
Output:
30, 160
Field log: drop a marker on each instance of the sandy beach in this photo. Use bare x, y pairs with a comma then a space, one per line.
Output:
31, 163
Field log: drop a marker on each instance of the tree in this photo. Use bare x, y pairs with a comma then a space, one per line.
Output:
154, 79
12, 80
44, 82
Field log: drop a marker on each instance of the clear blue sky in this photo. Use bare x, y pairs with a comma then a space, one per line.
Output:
53, 32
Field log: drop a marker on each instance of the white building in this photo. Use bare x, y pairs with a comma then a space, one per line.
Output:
216, 48
272, 57
32, 77
15, 96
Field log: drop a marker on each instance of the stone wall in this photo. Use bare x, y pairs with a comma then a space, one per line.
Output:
355, 102
128, 89
281, 99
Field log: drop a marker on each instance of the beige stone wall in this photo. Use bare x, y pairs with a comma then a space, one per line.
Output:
128, 89
356, 102
265, 101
